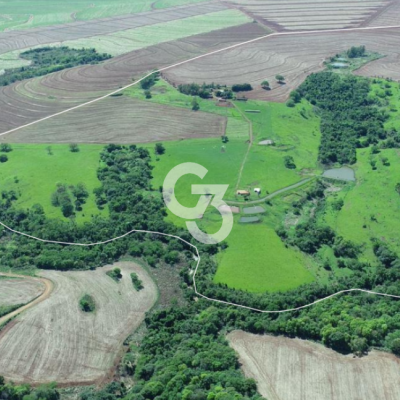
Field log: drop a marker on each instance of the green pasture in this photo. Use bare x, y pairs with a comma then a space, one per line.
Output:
138, 38
25, 14
33, 174
371, 206
258, 261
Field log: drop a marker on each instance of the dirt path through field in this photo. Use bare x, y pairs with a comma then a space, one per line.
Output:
271, 195
248, 147
49, 286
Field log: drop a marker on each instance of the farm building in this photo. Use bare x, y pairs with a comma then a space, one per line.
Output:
267, 142
243, 192
257, 190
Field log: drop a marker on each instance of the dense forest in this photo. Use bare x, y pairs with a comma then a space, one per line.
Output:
46, 60
349, 117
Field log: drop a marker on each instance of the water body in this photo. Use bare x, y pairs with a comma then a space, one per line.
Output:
340, 174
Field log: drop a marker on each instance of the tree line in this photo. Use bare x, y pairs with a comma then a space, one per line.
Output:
46, 60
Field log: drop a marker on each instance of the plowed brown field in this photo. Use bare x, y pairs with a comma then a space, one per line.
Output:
56, 341
294, 369
14, 291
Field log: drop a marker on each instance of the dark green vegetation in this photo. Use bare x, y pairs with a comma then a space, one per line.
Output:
349, 117
137, 283
46, 60
87, 304
115, 274
69, 198
7, 309
25, 392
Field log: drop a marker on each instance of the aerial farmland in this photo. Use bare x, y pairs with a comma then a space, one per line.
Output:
277, 124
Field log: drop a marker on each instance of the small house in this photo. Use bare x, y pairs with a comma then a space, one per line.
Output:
257, 190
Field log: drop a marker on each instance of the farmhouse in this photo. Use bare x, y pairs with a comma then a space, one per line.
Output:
243, 192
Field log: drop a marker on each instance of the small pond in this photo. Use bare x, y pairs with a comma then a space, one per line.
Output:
340, 174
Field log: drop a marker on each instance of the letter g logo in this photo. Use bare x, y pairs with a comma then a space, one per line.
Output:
206, 199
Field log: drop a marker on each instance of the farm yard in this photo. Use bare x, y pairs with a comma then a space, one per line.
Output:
314, 14
90, 342
15, 291
313, 371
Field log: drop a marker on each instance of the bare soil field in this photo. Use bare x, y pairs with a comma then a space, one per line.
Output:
294, 57
294, 369
122, 120
14, 291
56, 341
311, 14
33, 99
15, 40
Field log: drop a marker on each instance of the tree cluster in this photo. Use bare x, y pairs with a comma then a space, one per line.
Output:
46, 60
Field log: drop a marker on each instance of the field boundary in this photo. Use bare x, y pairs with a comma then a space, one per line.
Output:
273, 34
198, 259
48, 289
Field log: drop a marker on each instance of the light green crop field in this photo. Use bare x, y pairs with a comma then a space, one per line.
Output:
258, 261
33, 174
138, 38
12, 60
25, 14
372, 206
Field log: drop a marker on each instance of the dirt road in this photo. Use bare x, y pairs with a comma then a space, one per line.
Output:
45, 295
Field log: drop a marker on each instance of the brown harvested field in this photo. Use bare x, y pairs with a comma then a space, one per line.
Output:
295, 57
33, 99
311, 14
56, 341
16, 40
295, 369
122, 120
14, 291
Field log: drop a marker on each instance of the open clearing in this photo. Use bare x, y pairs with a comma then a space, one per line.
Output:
14, 291
33, 174
56, 341
293, 369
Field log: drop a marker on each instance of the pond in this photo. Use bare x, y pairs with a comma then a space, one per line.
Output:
341, 174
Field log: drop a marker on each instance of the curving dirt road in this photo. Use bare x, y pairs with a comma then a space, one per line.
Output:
49, 286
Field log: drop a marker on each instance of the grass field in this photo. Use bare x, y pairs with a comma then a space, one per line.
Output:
295, 132
256, 259
372, 206
23, 14
33, 174
138, 38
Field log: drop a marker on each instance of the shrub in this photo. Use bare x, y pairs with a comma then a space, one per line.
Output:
137, 283
87, 304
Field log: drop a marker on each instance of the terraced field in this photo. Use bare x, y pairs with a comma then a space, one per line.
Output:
16, 40
27, 14
311, 14
56, 341
294, 57
122, 120
30, 100
313, 371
